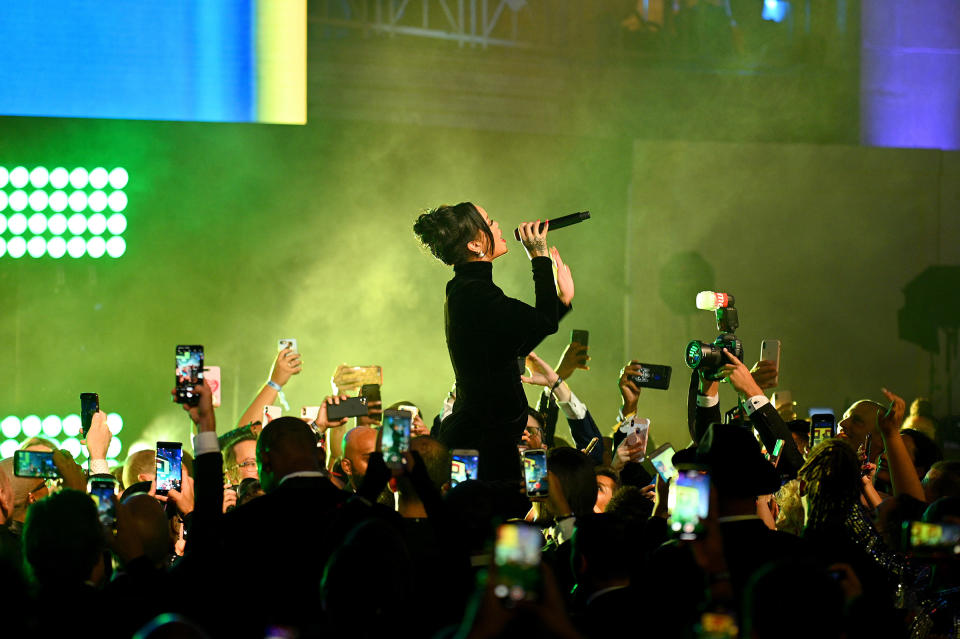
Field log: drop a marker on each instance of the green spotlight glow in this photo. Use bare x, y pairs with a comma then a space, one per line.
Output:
38, 200
97, 224
116, 223
117, 201
3, 247
56, 247
77, 224
96, 247
37, 246
51, 426
3, 223
118, 177
8, 448
115, 447
78, 178
17, 223
116, 246
57, 223
72, 444
18, 200
57, 201
114, 423
99, 177
10, 427
3, 200
77, 201
71, 425
39, 177
37, 223
97, 201
31, 425
59, 177
76, 247
16, 247
19, 177
4, 176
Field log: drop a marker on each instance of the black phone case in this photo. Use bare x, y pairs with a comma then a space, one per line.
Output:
352, 407
659, 377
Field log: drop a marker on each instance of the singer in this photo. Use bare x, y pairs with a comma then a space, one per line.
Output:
487, 331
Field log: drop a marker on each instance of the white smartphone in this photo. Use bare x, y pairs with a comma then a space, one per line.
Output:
770, 351
289, 342
309, 413
212, 376
413, 410
271, 413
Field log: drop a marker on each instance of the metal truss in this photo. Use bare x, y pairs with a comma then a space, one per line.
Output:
480, 23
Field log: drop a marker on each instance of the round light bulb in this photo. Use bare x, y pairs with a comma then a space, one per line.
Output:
97, 224
36, 247
16, 247
31, 425
57, 201
97, 201
10, 427
113, 450
78, 178
19, 177
78, 201
96, 247
17, 223
116, 246
59, 177
57, 223
18, 200
8, 448
3, 200
76, 247
116, 223
4, 176
114, 423
3, 223
119, 177
72, 444
52, 426
37, 223
39, 177
72, 425
56, 247
117, 201
99, 177
3, 247
77, 224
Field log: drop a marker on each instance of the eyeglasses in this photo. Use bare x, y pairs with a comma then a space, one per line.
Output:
247, 463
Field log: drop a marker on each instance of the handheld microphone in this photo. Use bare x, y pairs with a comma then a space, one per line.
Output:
710, 301
560, 222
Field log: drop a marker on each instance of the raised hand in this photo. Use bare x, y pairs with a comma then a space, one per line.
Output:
322, 422
765, 374
574, 357
202, 414
99, 436
534, 241
629, 390
563, 276
892, 419
286, 366
183, 498
739, 377
540, 372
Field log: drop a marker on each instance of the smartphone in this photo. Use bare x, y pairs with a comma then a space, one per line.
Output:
464, 465
103, 491
309, 413
637, 430
931, 540
653, 376
289, 342
535, 472
371, 392
413, 410
689, 501
822, 426
777, 451
395, 437
271, 413
211, 374
350, 407
169, 467
662, 460
580, 337
34, 463
517, 556
770, 351
189, 373
89, 404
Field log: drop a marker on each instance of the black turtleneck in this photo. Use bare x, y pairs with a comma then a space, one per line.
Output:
486, 333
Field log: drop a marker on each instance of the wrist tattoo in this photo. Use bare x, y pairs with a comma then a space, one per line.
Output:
538, 244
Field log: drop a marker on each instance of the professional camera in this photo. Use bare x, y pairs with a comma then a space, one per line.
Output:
708, 357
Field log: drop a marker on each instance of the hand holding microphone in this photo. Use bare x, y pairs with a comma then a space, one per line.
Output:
556, 223
533, 236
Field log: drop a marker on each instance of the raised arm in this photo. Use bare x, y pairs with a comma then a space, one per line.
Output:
286, 366
903, 474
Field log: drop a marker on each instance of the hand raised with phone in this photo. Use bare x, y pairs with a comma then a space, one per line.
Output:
99, 436
286, 366
202, 413
574, 357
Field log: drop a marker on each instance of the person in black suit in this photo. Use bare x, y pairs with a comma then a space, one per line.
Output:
601, 546
487, 331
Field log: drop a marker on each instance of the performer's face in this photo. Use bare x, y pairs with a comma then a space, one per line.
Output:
499, 244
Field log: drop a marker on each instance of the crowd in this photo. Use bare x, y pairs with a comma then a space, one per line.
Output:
297, 529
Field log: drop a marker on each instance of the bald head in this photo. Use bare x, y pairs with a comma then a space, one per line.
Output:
859, 420
151, 526
358, 443
286, 445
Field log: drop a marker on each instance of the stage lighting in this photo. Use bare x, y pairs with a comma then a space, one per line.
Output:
8, 448
72, 425
775, 10
116, 246
38, 200
96, 247
3, 247
10, 427
37, 246
99, 177
56, 247
97, 201
3, 223
57, 201
31, 425
97, 224
3, 201
17, 223
114, 423
118, 177
16, 247
78, 178
59, 177
19, 177
117, 201
39, 177
57, 223
4, 176
51, 426
78, 201
77, 224
116, 223
76, 247
72, 444
18, 200
113, 450
37, 223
